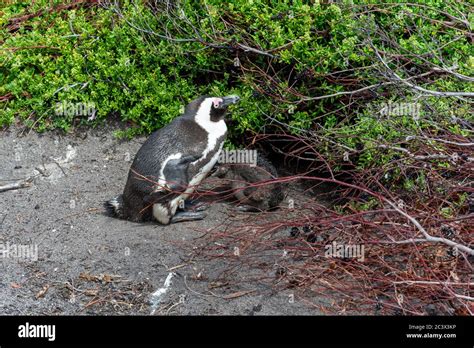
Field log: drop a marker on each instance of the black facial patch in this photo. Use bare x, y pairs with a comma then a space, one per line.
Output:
217, 114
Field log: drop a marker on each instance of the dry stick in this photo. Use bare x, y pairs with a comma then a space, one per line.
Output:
418, 88
17, 185
254, 50
424, 282
464, 297
428, 237
421, 157
26, 17
376, 85
458, 75
411, 137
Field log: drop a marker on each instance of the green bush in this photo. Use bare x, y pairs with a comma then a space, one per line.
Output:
142, 63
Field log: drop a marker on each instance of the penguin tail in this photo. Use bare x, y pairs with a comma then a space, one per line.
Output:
114, 206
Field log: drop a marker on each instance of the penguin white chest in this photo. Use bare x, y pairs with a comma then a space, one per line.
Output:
216, 132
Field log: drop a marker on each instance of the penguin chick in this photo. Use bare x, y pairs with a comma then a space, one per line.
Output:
241, 177
172, 162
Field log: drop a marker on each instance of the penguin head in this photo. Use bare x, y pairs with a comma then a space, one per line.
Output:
219, 106
212, 108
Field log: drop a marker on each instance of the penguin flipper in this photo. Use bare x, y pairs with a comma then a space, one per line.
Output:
176, 172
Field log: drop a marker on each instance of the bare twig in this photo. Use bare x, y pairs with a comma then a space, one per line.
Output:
17, 185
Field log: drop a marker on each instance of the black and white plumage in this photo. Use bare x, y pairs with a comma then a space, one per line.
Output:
172, 162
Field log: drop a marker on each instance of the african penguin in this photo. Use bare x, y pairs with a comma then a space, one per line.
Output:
172, 162
249, 186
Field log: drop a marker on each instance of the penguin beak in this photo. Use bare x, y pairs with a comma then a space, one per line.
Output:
229, 100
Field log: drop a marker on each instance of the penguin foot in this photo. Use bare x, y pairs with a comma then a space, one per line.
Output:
187, 216
195, 206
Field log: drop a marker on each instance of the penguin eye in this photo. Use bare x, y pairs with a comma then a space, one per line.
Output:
216, 102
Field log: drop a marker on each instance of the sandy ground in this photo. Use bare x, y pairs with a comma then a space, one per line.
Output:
67, 257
